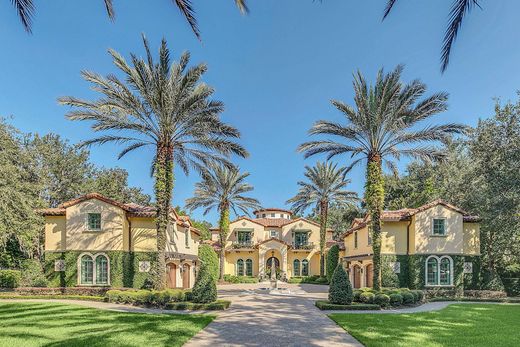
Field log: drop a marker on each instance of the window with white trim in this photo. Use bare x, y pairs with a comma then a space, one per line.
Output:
305, 267
439, 227
439, 271
101, 269
93, 269
240, 267
273, 234
249, 267
296, 267
87, 270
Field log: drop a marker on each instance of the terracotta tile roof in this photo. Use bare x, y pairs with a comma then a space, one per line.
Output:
274, 239
272, 222
273, 209
406, 214
132, 209
332, 243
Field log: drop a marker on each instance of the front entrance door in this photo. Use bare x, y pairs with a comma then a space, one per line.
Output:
185, 276
172, 275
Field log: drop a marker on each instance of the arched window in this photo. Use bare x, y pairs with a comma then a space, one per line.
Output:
305, 267
101, 269
249, 267
87, 269
439, 271
296, 267
445, 272
240, 267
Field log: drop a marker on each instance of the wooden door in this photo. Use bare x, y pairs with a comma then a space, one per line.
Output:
357, 276
369, 273
172, 276
186, 276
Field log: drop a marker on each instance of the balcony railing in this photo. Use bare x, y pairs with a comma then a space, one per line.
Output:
303, 246
242, 244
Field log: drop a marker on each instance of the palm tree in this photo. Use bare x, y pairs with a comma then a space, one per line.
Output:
164, 106
223, 188
383, 127
326, 184
458, 11
26, 9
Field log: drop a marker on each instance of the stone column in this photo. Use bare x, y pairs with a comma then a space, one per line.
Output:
261, 261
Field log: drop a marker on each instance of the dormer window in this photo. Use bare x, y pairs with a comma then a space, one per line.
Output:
273, 234
94, 221
439, 227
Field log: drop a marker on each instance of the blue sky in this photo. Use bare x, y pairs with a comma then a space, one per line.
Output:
275, 69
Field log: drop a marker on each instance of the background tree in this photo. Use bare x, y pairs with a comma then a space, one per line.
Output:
382, 128
165, 106
326, 184
223, 188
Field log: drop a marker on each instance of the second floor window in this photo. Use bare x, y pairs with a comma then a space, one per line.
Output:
244, 237
355, 240
439, 227
94, 221
273, 234
301, 238
369, 232
187, 238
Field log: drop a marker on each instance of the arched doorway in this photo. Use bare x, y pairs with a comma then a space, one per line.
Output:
172, 275
357, 276
369, 275
186, 276
268, 264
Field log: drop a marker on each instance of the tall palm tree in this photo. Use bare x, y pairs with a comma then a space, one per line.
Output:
164, 106
223, 188
326, 183
26, 10
459, 9
381, 128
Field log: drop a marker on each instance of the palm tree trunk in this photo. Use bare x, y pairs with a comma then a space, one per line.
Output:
324, 210
375, 198
224, 232
163, 186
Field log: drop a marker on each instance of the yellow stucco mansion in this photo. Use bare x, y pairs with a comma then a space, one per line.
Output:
273, 235
435, 246
96, 241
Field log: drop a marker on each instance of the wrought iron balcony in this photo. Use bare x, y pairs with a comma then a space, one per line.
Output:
303, 246
242, 244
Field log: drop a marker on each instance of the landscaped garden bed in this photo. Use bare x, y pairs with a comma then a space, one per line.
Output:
326, 305
54, 324
315, 279
456, 325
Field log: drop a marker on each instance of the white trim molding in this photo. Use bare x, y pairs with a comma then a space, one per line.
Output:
94, 274
438, 271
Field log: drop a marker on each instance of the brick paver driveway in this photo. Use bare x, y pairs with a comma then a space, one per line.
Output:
257, 319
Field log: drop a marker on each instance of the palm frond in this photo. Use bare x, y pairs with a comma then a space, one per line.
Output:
389, 6
109, 7
25, 9
187, 10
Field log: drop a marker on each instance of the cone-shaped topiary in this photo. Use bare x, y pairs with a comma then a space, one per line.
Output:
332, 261
340, 290
209, 257
205, 288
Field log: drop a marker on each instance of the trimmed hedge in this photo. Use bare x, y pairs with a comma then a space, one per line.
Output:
382, 300
205, 287
396, 299
367, 297
90, 291
340, 289
240, 279
327, 305
55, 297
503, 300
212, 306
314, 279
10, 278
146, 297
208, 256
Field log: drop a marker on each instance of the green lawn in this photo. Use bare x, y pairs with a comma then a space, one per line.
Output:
466, 325
51, 324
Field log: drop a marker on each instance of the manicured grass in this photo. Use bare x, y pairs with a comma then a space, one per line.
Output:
456, 325
51, 324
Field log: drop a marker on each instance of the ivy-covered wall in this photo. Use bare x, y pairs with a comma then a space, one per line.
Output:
124, 268
413, 271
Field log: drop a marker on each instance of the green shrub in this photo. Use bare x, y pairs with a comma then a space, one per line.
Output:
205, 288
418, 294
114, 295
396, 299
208, 256
367, 297
356, 295
216, 305
295, 280
240, 279
340, 290
142, 297
408, 298
10, 278
32, 274
332, 261
382, 300
326, 305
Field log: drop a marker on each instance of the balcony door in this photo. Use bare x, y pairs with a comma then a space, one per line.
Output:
301, 238
244, 237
